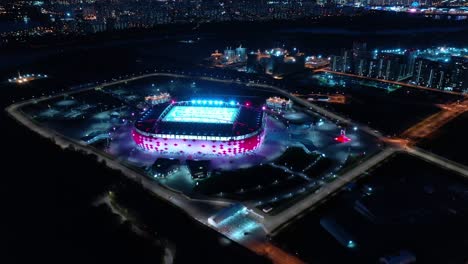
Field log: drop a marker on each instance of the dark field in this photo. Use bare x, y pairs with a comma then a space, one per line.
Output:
389, 112
296, 159
416, 206
450, 141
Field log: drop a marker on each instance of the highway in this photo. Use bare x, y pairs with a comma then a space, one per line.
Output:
441, 161
429, 125
331, 98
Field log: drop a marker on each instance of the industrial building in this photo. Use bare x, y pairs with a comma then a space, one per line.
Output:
279, 104
163, 167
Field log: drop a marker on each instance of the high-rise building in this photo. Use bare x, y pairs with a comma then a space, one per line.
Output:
346, 61
394, 66
241, 54
360, 58
373, 68
276, 60
336, 63
359, 49
360, 66
411, 55
459, 72
229, 54
253, 63
430, 73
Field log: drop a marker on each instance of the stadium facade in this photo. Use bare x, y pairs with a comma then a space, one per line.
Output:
205, 127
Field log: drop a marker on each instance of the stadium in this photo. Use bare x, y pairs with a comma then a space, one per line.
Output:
206, 127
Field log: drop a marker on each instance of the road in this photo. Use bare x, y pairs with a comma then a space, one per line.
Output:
331, 98
429, 125
441, 161
275, 253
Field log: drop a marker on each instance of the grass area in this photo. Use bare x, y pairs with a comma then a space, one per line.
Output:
352, 161
321, 165
280, 205
296, 159
249, 183
84, 104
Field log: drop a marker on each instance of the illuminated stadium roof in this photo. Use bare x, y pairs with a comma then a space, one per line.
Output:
201, 119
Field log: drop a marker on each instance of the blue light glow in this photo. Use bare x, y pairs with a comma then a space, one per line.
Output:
351, 244
199, 114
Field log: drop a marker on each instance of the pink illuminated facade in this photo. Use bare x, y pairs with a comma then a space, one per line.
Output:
200, 127
197, 146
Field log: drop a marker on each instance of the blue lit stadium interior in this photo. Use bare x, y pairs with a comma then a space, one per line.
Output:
202, 114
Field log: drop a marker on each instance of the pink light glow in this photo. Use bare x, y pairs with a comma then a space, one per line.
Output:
342, 139
232, 147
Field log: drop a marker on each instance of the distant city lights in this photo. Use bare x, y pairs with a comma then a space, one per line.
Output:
21, 79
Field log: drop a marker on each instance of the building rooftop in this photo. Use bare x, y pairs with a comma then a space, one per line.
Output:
201, 118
